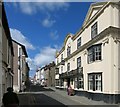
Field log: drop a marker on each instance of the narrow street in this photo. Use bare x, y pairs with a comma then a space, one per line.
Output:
43, 96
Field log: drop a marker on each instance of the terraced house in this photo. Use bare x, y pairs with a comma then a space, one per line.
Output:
6, 54
89, 61
20, 65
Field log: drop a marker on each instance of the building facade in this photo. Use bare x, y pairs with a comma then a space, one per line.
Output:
89, 61
6, 54
39, 76
26, 73
19, 67
50, 74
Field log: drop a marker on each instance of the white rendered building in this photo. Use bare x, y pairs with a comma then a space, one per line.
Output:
89, 61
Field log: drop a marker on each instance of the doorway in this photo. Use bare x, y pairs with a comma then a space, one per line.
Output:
68, 82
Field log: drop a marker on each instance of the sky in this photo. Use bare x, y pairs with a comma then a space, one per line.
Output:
43, 26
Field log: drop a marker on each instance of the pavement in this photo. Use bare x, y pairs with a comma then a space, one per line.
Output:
81, 99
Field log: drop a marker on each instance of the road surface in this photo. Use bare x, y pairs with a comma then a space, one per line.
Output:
39, 96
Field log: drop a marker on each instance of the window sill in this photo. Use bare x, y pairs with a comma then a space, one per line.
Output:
79, 89
57, 86
94, 61
61, 87
97, 91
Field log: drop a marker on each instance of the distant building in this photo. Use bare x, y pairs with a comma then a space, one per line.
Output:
38, 78
19, 65
6, 54
89, 61
31, 80
34, 79
26, 73
50, 74
40, 75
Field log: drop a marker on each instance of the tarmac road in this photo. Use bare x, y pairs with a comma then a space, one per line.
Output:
39, 96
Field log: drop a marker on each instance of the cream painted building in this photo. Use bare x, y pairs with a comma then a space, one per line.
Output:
39, 75
89, 61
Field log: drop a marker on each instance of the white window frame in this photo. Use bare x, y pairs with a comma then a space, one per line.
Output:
68, 51
95, 82
95, 53
98, 82
90, 81
75, 82
81, 82
79, 43
94, 30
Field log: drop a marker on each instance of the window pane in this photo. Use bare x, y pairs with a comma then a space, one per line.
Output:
97, 50
94, 30
80, 82
90, 55
75, 84
94, 53
79, 42
79, 62
98, 81
90, 83
61, 57
68, 67
68, 50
